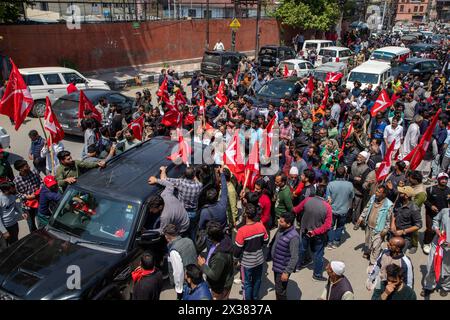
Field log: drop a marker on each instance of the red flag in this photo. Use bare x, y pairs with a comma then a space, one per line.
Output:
333, 77
268, 136
51, 123
416, 155
221, 99
86, 104
179, 98
189, 119
383, 171
17, 101
173, 117
310, 86
349, 133
71, 88
252, 167
394, 98
163, 91
184, 150
201, 105
286, 71
438, 256
382, 103
137, 126
325, 97
233, 159
236, 77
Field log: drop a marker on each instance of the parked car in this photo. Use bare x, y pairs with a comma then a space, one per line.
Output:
370, 72
4, 139
424, 68
106, 246
275, 90
391, 54
316, 45
320, 73
333, 54
422, 47
218, 63
53, 82
301, 67
66, 107
271, 56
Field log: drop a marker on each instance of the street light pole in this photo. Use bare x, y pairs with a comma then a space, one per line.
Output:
258, 17
207, 24
233, 30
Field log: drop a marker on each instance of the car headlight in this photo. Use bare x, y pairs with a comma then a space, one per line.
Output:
7, 296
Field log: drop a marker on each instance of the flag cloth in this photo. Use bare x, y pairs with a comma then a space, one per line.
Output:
349, 133
71, 88
173, 117
221, 99
438, 256
17, 101
382, 103
286, 71
310, 86
189, 119
179, 98
51, 124
201, 105
163, 92
86, 104
383, 171
137, 126
333, 77
184, 149
233, 159
325, 98
269, 136
252, 166
416, 155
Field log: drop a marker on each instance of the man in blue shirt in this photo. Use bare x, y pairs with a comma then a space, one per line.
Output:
37, 143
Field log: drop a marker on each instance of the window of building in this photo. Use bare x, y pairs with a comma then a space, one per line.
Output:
43, 6
421, 9
192, 13
416, 8
210, 14
402, 7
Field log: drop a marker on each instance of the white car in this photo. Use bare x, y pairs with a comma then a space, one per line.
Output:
53, 82
4, 139
333, 54
302, 67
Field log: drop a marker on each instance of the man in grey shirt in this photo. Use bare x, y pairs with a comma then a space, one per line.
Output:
336, 109
10, 214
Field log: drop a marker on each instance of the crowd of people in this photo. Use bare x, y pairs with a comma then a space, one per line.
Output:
328, 154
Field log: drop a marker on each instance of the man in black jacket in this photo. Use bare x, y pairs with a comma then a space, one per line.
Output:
147, 280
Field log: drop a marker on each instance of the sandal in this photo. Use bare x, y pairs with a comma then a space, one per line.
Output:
425, 292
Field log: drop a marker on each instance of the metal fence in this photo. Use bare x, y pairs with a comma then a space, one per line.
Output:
138, 10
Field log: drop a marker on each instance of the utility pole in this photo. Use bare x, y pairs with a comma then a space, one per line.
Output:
384, 14
207, 24
258, 17
233, 30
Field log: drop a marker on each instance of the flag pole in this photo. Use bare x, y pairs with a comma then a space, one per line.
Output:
42, 127
52, 156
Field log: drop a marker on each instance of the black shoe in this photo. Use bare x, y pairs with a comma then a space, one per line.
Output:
319, 278
304, 264
426, 292
443, 293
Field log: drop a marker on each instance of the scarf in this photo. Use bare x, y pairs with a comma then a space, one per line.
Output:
138, 273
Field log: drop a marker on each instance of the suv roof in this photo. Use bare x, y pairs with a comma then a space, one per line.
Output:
222, 53
335, 48
415, 59
44, 70
274, 46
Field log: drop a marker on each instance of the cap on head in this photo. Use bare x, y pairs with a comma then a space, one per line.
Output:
364, 154
442, 175
50, 181
294, 170
338, 267
406, 190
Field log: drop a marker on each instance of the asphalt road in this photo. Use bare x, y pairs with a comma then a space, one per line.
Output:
301, 285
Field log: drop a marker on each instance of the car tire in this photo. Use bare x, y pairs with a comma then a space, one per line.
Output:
38, 109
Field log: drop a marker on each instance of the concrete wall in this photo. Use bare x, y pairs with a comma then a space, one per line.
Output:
111, 45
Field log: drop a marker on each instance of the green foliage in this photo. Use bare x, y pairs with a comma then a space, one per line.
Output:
308, 14
11, 11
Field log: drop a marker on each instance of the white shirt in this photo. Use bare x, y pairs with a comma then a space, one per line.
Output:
178, 270
45, 153
219, 46
390, 134
411, 139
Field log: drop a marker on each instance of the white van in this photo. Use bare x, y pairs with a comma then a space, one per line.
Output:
371, 72
302, 68
53, 82
333, 54
390, 54
316, 44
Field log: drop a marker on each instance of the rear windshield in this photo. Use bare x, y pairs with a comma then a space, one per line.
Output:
363, 77
277, 89
327, 53
290, 66
311, 46
268, 52
211, 58
320, 75
381, 55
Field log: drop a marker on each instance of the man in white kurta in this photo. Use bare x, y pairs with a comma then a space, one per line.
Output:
412, 136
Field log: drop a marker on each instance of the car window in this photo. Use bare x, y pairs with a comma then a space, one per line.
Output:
290, 66
33, 80
268, 52
326, 45
327, 53
116, 98
211, 58
364, 77
309, 66
72, 76
426, 66
302, 65
345, 53
277, 89
310, 46
228, 61
52, 78
436, 65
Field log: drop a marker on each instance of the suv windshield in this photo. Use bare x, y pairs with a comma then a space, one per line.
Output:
327, 53
268, 52
211, 58
363, 77
95, 218
381, 55
277, 89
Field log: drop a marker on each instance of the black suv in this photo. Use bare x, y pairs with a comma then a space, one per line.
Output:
424, 68
97, 231
216, 64
271, 56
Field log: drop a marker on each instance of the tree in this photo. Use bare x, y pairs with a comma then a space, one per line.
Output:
308, 14
11, 11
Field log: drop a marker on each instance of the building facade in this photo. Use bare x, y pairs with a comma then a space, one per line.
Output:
416, 11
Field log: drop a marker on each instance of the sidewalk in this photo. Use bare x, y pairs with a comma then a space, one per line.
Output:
119, 78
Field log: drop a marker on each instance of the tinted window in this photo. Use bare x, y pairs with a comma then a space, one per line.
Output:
33, 80
268, 51
310, 46
309, 66
52, 78
326, 45
116, 98
363, 77
70, 76
327, 53
277, 89
302, 65
211, 58
345, 53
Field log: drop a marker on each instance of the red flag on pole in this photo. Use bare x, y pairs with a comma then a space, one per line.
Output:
382, 103
325, 97
286, 71
184, 150
416, 155
310, 86
233, 159
349, 133
179, 98
163, 91
137, 126
189, 119
173, 117
201, 105
269, 136
51, 123
333, 77
71, 88
86, 104
438, 256
17, 101
252, 167
221, 99
383, 171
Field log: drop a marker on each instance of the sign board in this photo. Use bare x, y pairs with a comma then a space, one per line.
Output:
235, 24
136, 25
